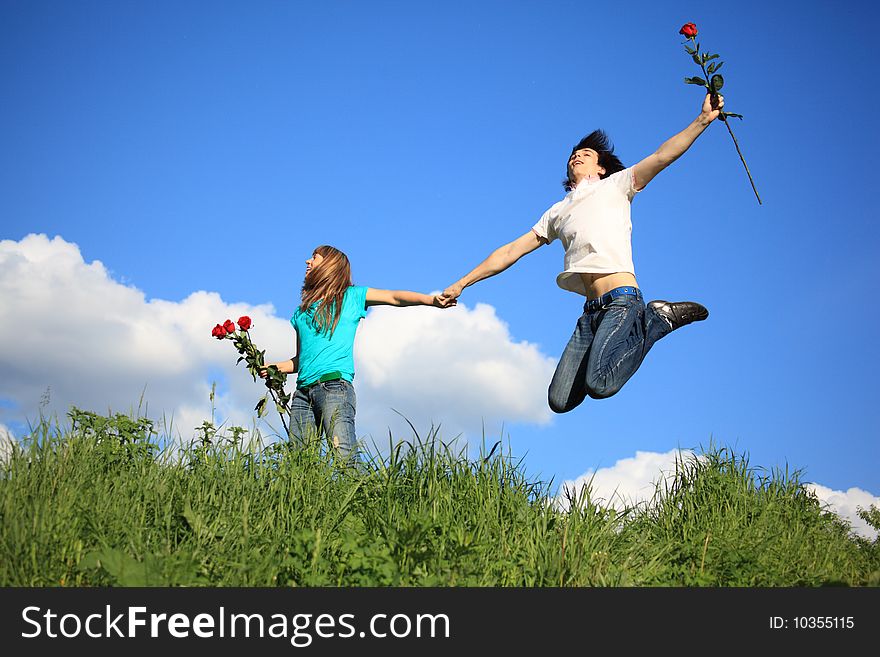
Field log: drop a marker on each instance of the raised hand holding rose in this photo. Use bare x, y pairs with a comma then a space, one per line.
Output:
713, 82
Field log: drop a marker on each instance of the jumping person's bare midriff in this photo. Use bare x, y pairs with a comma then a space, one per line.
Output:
599, 284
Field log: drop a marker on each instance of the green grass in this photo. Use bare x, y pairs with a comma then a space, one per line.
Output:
105, 502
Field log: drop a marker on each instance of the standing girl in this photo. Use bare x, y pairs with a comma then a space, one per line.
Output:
325, 324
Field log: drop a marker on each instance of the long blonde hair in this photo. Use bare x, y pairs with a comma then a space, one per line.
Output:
327, 284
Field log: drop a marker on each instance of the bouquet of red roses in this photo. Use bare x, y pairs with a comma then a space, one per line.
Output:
254, 359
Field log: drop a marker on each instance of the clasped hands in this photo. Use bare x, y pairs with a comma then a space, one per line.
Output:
449, 296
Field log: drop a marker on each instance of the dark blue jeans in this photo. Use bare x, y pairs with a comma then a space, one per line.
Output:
606, 349
327, 408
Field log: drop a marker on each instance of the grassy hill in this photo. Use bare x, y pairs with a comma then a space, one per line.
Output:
106, 502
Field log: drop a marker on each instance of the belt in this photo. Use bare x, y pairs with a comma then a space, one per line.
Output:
624, 291
330, 376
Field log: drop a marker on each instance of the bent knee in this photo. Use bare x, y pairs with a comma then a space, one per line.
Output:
603, 389
602, 393
603, 386
558, 405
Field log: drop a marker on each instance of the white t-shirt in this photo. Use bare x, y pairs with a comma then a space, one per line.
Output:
593, 223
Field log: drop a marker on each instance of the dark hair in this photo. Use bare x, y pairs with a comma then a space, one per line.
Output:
599, 142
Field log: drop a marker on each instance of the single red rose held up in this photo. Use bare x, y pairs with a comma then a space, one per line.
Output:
244, 322
219, 332
689, 30
712, 81
229, 326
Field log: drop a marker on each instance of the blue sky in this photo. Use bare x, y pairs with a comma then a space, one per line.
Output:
211, 146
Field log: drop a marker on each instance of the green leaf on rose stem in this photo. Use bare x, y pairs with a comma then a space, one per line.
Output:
697, 59
240, 358
259, 407
709, 58
711, 68
280, 409
718, 68
716, 83
696, 80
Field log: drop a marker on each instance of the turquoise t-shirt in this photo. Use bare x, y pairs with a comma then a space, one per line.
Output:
321, 353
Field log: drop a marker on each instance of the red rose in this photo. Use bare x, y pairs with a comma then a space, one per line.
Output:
229, 326
689, 30
244, 322
219, 332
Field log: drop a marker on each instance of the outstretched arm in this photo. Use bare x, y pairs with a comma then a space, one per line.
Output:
401, 298
499, 260
674, 147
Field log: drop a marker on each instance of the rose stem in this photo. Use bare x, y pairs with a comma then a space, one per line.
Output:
727, 123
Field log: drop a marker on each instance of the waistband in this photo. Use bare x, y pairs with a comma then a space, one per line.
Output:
623, 291
330, 376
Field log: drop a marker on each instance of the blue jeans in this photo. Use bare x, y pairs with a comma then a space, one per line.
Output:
327, 408
606, 349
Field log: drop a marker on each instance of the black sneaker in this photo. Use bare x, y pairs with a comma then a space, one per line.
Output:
680, 313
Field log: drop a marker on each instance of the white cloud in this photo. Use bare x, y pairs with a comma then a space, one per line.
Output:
7, 443
96, 343
100, 345
846, 505
457, 367
632, 481
628, 482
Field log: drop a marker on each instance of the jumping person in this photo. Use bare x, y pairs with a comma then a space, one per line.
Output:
616, 329
325, 324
